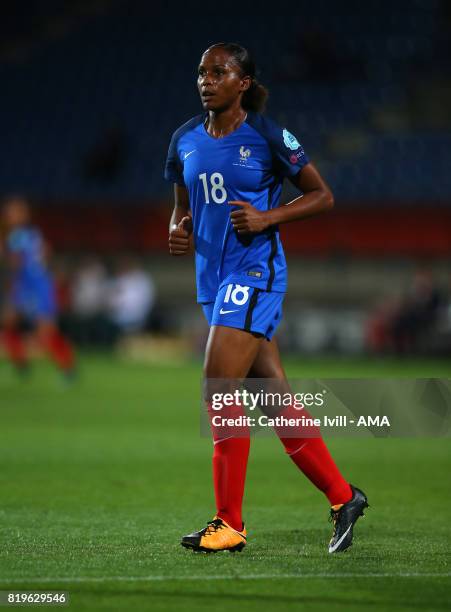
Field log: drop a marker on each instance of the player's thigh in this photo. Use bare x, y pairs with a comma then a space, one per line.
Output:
267, 374
230, 352
45, 328
267, 363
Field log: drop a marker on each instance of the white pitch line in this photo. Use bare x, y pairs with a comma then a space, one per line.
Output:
154, 578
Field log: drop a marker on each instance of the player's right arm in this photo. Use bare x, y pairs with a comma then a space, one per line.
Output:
181, 224
14, 249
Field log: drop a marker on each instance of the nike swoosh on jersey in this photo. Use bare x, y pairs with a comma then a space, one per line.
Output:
188, 154
227, 311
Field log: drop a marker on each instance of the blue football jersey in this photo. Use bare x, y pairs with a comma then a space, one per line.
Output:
28, 244
248, 164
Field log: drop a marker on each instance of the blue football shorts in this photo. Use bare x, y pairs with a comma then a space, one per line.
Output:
247, 308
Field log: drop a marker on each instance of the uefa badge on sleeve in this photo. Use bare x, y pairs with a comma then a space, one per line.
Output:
290, 141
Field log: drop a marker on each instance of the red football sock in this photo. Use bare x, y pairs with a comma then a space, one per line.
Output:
230, 455
60, 350
313, 458
15, 347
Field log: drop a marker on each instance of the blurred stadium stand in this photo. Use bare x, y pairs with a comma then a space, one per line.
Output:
91, 91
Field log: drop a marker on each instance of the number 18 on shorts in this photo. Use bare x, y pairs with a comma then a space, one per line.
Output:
247, 308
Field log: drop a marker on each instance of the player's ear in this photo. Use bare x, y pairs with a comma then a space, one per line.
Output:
246, 82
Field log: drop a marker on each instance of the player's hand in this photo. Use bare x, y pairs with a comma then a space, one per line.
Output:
248, 219
179, 236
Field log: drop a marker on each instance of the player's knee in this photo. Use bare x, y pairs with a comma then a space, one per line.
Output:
269, 370
9, 319
45, 331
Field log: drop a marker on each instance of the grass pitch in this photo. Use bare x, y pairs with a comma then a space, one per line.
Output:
99, 481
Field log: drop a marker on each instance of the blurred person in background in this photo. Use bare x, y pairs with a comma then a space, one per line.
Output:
415, 323
30, 291
228, 165
131, 296
89, 322
409, 324
89, 288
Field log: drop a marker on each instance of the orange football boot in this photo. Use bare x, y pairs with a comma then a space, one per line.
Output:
216, 536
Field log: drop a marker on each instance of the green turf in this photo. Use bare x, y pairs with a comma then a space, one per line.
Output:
99, 480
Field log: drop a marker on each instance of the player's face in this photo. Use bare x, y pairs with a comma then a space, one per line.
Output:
220, 82
16, 213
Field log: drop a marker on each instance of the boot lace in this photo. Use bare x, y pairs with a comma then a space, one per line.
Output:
213, 527
333, 518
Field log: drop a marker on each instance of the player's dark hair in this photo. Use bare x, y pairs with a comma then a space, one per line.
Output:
254, 99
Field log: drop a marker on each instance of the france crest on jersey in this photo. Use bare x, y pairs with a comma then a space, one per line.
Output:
248, 165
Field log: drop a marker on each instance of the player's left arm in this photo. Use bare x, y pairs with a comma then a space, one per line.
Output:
316, 198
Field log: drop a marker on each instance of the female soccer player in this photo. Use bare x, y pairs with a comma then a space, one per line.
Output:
30, 293
228, 165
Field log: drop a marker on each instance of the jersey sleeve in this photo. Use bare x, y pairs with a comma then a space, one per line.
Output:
16, 241
288, 153
173, 170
